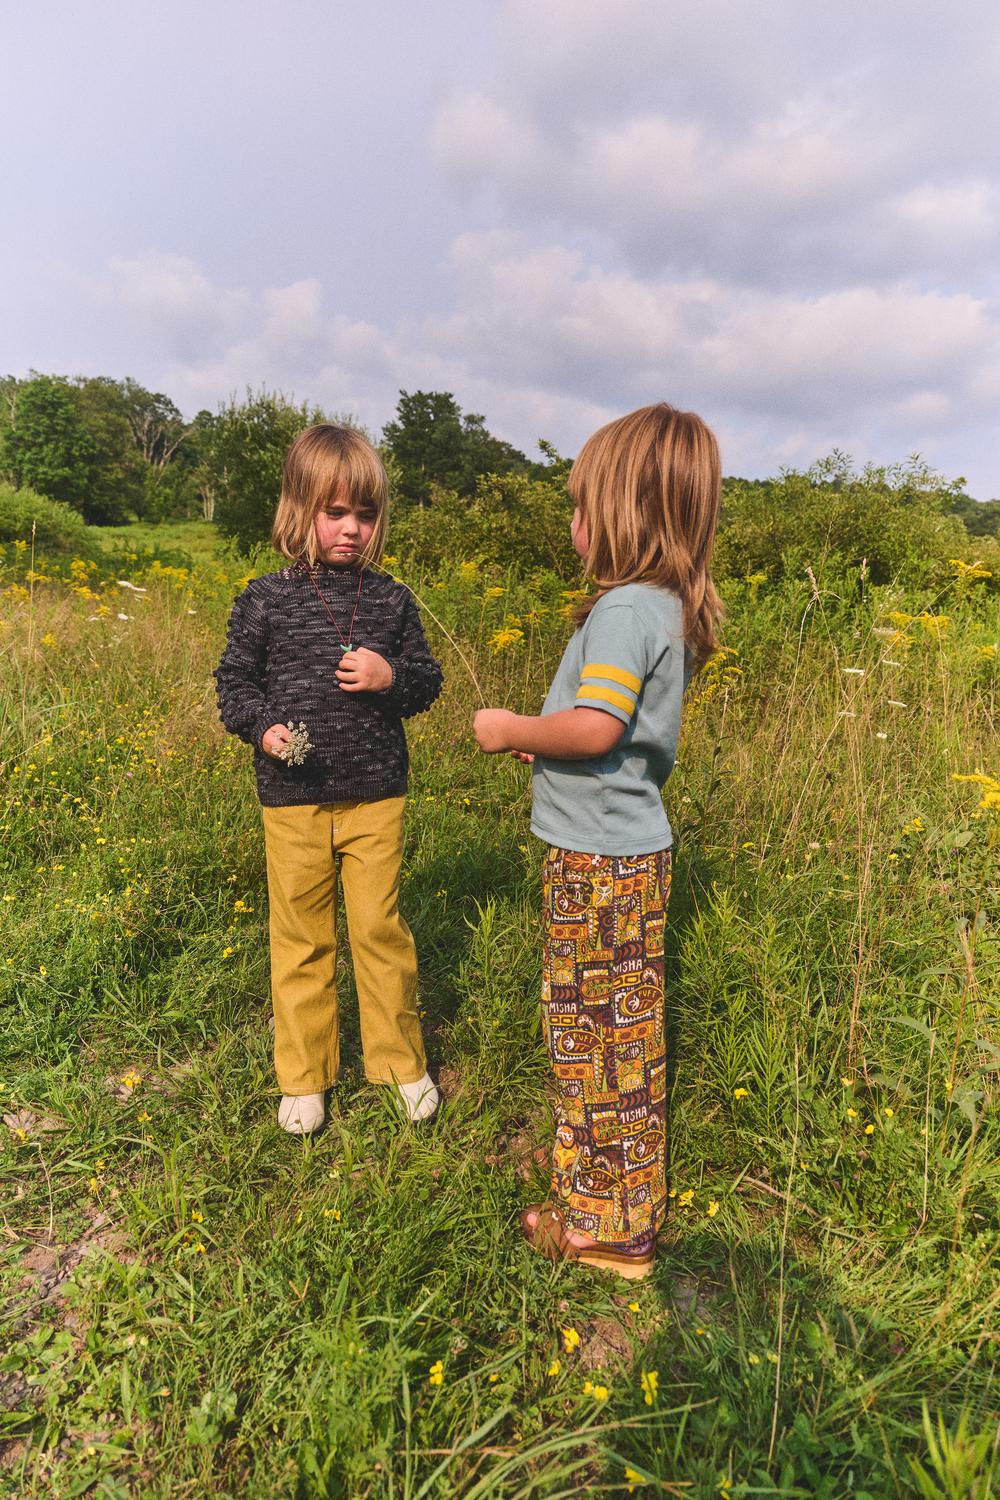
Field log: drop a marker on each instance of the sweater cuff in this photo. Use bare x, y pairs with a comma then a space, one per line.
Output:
258, 730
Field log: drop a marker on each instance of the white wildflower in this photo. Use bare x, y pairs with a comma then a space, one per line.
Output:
297, 746
853, 671
123, 583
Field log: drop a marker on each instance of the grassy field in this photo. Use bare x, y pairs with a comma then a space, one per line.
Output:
196, 1304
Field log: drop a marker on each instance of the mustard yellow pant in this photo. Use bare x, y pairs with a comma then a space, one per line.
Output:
303, 845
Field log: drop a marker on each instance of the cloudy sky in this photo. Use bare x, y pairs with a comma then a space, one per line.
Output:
783, 214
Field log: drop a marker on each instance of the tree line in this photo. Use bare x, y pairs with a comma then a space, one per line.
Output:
114, 451
111, 451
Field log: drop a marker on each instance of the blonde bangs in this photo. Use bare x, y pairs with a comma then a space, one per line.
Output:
324, 463
648, 486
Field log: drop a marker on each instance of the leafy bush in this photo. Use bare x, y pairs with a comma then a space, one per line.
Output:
58, 527
832, 519
513, 521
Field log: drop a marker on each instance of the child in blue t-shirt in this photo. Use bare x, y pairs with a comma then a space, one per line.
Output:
646, 489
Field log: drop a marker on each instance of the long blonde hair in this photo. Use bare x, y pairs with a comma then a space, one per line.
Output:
648, 486
325, 463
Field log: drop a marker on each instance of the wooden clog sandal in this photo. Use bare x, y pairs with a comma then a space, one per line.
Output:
551, 1238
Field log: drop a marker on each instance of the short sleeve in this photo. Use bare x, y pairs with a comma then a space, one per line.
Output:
615, 654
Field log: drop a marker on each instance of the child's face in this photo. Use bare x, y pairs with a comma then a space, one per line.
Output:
578, 531
343, 531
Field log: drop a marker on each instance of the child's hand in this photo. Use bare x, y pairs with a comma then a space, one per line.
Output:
364, 671
523, 756
492, 728
274, 740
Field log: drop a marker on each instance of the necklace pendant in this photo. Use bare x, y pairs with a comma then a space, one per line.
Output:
348, 647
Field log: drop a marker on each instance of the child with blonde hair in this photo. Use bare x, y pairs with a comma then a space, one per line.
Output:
646, 490
323, 662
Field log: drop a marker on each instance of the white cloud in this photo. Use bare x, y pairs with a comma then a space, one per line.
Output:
724, 138
549, 344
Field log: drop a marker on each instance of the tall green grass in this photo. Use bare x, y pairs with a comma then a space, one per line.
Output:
197, 1304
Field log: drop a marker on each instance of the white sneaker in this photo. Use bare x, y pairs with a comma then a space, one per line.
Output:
419, 1099
301, 1114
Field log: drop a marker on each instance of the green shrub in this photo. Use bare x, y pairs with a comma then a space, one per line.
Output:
517, 523
832, 519
58, 527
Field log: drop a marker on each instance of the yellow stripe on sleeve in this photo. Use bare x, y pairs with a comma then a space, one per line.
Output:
606, 695
613, 674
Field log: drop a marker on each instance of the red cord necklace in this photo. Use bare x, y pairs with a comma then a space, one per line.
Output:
344, 645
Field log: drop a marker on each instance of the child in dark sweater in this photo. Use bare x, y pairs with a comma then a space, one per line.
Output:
322, 663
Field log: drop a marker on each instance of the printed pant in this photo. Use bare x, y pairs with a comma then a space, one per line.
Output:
303, 846
603, 1022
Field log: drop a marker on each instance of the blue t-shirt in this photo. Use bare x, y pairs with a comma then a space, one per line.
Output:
627, 659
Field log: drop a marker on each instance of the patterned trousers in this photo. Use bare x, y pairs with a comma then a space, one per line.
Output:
602, 1018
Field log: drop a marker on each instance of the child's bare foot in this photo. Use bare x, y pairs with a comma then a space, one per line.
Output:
419, 1099
301, 1114
574, 1237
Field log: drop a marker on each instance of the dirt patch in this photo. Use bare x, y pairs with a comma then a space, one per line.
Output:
48, 1267
46, 1270
690, 1298
449, 1082
605, 1345
28, 1122
519, 1148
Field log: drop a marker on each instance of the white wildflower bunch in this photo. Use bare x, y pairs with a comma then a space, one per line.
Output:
298, 745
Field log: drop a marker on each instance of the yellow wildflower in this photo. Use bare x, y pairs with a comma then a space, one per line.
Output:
333, 1213
888, 1113
869, 1130
554, 1367
197, 1216
933, 625
852, 1114
989, 653
632, 1478
599, 1392
435, 1375
741, 1093
571, 1340
685, 1198
633, 1307
964, 570
509, 635
713, 1209
493, 592
48, 639
753, 1359
650, 1382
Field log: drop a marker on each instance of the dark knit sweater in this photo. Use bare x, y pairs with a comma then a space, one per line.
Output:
279, 663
